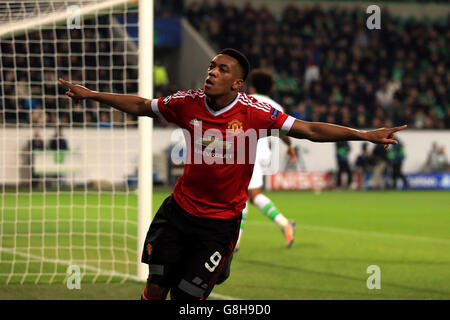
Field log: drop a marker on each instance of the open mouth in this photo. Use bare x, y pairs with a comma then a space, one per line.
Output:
208, 83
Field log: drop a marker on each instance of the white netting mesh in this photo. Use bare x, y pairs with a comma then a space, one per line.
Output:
68, 198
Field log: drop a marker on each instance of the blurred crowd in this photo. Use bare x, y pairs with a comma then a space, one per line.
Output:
330, 67
437, 159
37, 144
382, 169
31, 64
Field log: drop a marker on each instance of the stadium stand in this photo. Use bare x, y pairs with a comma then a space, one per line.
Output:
369, 78
77, 55
322, 73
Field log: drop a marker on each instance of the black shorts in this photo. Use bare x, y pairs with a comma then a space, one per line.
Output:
185, 253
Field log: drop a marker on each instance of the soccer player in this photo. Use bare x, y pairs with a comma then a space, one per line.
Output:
195, 230
260, 83
342, 152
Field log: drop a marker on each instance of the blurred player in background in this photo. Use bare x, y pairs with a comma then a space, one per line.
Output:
364, 164
380, 163
396, 157
260, 84
342, 151
192, 236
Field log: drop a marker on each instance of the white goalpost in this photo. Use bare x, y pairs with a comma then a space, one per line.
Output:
145, 126
76, 180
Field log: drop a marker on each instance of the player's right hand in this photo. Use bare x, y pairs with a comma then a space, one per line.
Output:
76, 92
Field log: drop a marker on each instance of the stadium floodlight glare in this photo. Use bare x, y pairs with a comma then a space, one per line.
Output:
75, 206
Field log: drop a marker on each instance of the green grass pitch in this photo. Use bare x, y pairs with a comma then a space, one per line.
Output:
339, 235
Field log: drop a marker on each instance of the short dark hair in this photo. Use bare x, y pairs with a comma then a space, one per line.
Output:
241, 59
261, 80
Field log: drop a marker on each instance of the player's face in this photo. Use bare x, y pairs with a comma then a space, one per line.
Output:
223, 76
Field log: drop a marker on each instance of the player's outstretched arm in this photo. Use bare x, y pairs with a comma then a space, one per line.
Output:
124, 102
326, 132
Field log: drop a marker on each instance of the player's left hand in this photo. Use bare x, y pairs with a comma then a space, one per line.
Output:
384, 135
292, 154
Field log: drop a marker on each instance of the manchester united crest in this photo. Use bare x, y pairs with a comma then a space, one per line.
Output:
235, 125
149, 248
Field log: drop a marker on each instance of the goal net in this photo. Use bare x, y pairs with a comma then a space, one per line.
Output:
68, 172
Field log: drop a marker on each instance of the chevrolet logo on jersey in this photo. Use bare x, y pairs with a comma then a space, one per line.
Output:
213, 142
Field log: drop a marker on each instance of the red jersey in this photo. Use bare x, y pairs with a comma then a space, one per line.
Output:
220, 150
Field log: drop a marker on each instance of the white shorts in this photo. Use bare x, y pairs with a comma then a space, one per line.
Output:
256, 182
262, 160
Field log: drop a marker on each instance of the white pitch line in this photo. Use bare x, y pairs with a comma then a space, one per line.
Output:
363, 233
68, 263
96, 270
222, 297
